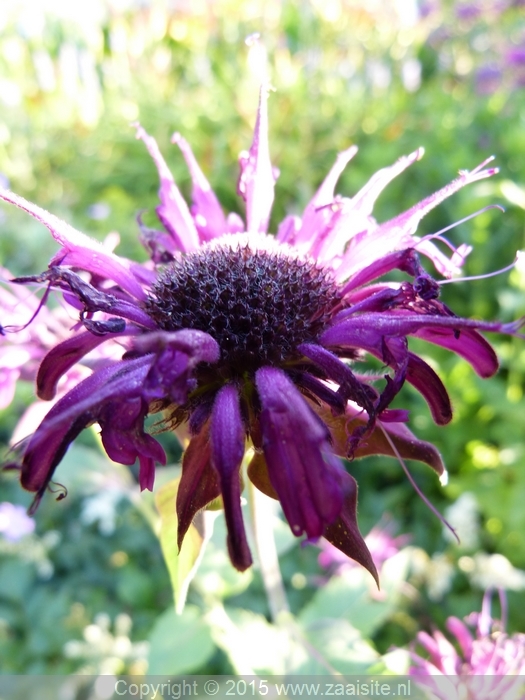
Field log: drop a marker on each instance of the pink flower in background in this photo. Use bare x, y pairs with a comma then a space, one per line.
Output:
489, 651
381, 544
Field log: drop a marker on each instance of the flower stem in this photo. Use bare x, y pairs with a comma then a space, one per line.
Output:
262, 517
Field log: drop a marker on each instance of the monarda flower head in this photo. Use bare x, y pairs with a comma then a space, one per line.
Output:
482, 666
241, 336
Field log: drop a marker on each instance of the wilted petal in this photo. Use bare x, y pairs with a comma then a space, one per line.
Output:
344, 532
78, 250
256, 181
302, 471
75, 411
173, 211
376, 443
228, 437
209, 218
124, 438
60, 359
199, 483
177, 354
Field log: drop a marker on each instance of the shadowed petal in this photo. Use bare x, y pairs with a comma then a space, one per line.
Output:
60, 359
258, 475
227, 437
406, 443
125, 441
349, 385
302, 469
75, 411
344, 532
177, 354
199, 483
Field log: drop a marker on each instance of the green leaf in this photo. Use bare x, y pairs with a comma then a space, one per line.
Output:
179, 643
216, 576
354, 598
181, 565
337, 645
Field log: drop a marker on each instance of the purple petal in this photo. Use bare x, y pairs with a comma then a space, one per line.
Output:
199, 483
173, 211
79, 250
257, 179
320, 390
338, 371
125, 441
430, 386
397, 233
60, 359
207, 213
356, 213
75, 411
227, 437
177, 354
367, 330
344, 532
407, 444
469, 344
318, 213
287, 229
405, 260
303, 472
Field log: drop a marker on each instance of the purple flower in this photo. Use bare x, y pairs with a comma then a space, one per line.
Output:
14, 522
490, 652
238, 334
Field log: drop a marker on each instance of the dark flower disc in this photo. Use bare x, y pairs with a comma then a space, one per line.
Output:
258, 305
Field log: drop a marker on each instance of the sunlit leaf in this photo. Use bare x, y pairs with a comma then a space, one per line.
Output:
182, 564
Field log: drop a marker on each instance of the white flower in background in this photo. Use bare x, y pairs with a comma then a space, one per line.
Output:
463, 516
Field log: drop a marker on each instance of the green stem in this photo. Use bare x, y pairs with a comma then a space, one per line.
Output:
262, 520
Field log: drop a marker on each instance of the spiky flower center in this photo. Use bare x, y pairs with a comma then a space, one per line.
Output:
258, 305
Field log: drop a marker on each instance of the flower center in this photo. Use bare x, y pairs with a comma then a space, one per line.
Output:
257, 304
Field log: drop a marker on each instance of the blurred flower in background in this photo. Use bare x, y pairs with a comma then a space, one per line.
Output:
14, 522
490, 662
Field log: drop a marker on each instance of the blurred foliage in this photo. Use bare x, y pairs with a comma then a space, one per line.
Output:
389, 76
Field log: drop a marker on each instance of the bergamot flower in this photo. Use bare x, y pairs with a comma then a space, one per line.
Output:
452, 673
247, 337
